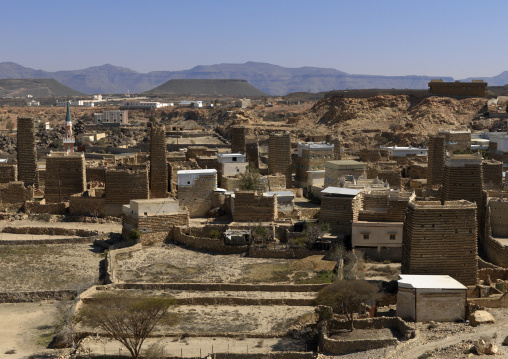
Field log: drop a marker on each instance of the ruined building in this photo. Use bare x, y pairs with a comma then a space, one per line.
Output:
65, 176
441, 239
337, 146
492, 172
249, 206
436, 160
476, 88
195, 190
27, 153
158, 164
279, 156
457, 140
238, 134
496, 241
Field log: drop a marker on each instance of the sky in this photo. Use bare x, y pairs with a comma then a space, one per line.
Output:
457, 38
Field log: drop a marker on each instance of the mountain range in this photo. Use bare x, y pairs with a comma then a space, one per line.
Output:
271, 79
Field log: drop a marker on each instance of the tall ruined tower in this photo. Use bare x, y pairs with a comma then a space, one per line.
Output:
436, 160
238, 134
158, 163
279, 156
27, 153
441, 239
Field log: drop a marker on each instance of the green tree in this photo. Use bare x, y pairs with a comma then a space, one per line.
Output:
347, 297
128, 319
9, 125
251, 179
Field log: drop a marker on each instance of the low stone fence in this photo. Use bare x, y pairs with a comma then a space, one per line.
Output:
286, 253
51, 231
224, 287
36, 296
296, 302
272, 355
48, 208
338, 346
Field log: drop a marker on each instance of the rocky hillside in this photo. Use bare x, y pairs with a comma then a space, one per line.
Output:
232, 88
35, 87
401, 120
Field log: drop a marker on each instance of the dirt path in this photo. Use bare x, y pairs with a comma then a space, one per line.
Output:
495, 332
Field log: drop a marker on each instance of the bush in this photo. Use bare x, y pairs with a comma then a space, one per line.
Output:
214, 233
135, 235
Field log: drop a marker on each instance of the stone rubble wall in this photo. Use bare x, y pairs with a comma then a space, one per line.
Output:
47, 208
198, 199
15, 192
249, 206
87, 206
67, 176
8, 172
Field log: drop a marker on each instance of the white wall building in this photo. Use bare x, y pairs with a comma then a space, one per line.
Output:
378, 240
396, 151
152, 207
188, 177
108, 117
143, 105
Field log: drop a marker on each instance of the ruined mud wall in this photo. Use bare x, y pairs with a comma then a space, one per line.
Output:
152, 224
198, 199
47, 208
87, 206
15, 192
66, 176
8, 172
122, 186
248, 206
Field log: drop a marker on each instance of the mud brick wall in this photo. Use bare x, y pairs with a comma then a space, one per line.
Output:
49, 208
175, 156
337, 146
393, 177
276, 182
254, 207
206, 162
16, 192
87, 206
457, 141
124, 185
231, 183
158, 165
340, 212
441, 239
27, 153
238, 134
492, 172
252, 149
375, 201
174, 167
279, 156
66, 175
153, 224
8, 172
496, 250
373, 155
194, 151
198, 198
417, 170
96, 174
436, 160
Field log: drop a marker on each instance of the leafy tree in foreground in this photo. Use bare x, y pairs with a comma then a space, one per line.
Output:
347, 296
250, 180
130, 320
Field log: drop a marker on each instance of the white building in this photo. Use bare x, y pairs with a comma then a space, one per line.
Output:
425, 298
378, 240
108, 117
195, 104
143, 105
395, 151
188, 177
230, 157
152, 207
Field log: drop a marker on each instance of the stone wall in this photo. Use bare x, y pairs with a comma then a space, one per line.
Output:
288, 253
340, 212
43, 207
67, 176
15, 192
198, 199
96, 174
151, 224
492, 172
27, 153
8, 172
36, 296
80, 205
338, 346
249, 206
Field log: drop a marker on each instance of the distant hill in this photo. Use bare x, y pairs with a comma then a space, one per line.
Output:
35, 87
236, 88
268, 78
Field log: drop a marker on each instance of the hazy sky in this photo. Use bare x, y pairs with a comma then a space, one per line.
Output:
440, 38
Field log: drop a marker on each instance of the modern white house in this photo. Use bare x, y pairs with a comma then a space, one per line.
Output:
378, 240
108, 117
425, 298
396, 151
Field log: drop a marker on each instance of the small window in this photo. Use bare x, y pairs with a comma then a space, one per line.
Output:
456, 231
392, 237
188, 182
365, 236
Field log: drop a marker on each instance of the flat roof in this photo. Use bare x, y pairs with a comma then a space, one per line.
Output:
154, 200
201, 171
345, 164
417, 281
341, 191
279, 193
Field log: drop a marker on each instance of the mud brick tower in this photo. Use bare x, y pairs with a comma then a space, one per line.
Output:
441, 239
337, 146
158, 163
27, 154
436, 160
279, 156
238, 135
66, 175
